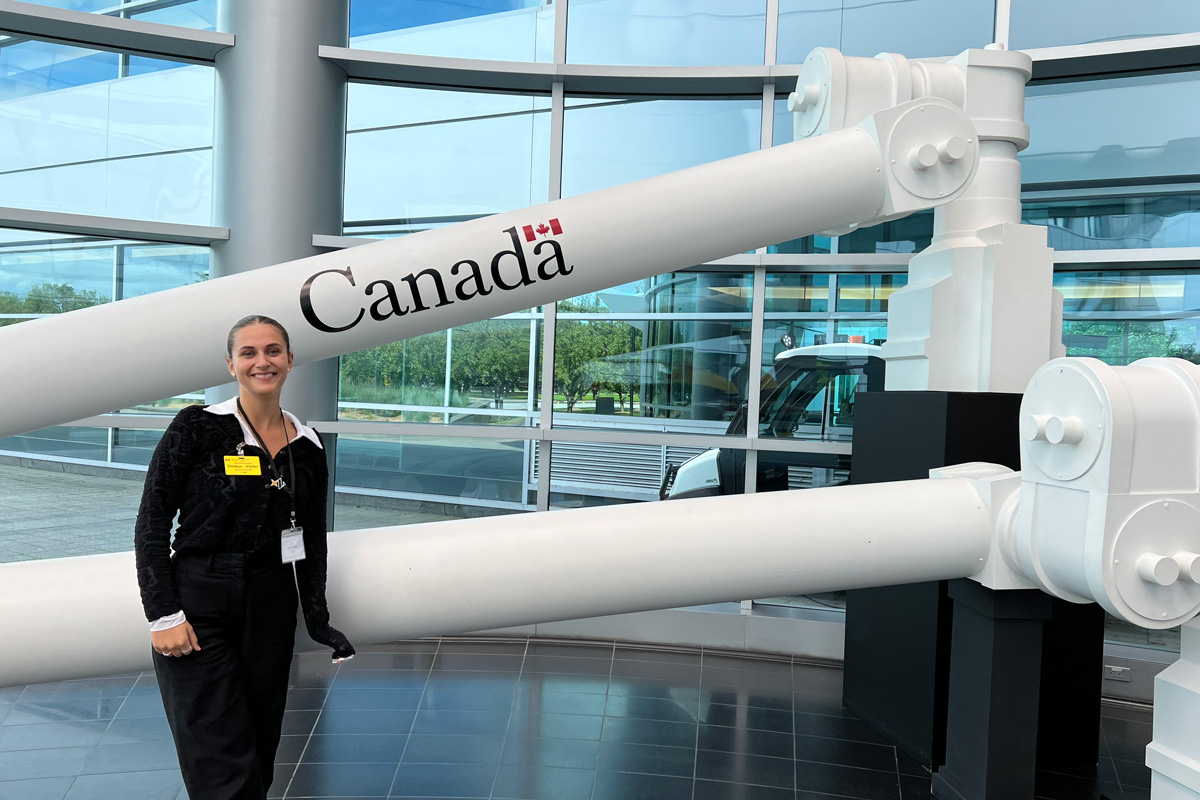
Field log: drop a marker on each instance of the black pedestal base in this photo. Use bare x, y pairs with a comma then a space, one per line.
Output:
898, 637
995, 675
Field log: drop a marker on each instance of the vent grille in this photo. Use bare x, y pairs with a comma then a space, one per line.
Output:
603, 464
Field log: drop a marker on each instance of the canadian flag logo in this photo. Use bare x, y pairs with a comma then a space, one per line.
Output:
542, 229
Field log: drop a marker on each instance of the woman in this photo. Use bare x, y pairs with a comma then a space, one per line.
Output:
248, 481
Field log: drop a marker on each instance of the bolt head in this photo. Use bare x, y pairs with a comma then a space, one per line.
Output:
953, 149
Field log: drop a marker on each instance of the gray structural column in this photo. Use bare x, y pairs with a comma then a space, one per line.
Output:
278, 155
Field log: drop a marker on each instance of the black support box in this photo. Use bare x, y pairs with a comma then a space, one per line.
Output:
898, 639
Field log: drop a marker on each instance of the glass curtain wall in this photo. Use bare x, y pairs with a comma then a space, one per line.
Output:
103, 133
914, 28
501, 30
43, 274
1054, 23
199, 14
680, 33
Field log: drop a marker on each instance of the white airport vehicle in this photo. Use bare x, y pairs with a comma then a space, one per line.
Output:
808, 393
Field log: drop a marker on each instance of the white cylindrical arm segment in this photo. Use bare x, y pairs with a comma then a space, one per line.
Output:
80, 617
366, 296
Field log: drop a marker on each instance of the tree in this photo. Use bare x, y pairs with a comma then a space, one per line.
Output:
501, 356
423, 362
1122, 342
620, 368
576, 348
59, 298
413, 367
10, 304
48, 298
596, 355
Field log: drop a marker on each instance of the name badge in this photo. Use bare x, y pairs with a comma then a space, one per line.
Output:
292, 545
243, 465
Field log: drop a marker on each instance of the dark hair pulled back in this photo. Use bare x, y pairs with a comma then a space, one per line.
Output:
255, 319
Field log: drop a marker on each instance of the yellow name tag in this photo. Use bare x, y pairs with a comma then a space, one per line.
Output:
242, 465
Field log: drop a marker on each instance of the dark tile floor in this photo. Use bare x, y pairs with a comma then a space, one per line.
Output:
536, 720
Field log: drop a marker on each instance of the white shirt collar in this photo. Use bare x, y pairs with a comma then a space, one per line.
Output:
230, 407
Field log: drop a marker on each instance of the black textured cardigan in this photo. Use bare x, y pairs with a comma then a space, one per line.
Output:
221, 513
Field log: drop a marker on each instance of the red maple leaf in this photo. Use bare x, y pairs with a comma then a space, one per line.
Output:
543, 229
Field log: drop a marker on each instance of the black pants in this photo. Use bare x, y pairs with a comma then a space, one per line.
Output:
225, 701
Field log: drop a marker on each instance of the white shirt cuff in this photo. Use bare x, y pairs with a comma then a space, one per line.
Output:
163, 623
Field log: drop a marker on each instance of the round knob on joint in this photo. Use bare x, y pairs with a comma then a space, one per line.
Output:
1033, 427
1189, 565
952, 149
1064, 430
804, 98
1156, 569
924, 157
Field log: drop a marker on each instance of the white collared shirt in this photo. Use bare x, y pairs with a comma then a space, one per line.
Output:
220, 409
230, 407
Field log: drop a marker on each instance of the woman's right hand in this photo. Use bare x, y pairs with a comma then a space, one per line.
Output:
177, 641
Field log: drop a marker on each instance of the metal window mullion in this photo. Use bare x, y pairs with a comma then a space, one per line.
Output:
653, 316
1032, 194
123, 58
561, 9
768, 118
557, 118
531, 394
530, 402
118, 276
771, 46
797, 316
446, 390
550, 311
854, 316
831, 326
758, 331
118, 290
547, 408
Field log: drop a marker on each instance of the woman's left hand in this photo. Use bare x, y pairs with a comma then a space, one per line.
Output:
178, 641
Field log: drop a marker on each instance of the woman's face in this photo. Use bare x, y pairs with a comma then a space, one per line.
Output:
260, 359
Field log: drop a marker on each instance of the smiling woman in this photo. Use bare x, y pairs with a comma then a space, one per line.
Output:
222, 608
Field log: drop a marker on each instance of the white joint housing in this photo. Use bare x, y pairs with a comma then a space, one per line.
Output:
1109, 507
911, 137
835, 91
979, 313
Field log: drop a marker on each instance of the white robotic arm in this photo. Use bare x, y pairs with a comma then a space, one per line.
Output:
384, 292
